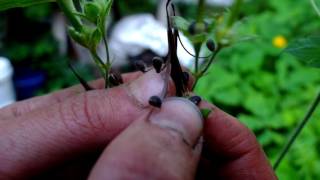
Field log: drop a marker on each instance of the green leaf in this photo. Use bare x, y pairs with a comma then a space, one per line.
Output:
91, 11
307, 50
205, 113
77, 36
180, 23
8, 4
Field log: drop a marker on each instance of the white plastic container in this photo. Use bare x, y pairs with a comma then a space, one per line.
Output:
7, 93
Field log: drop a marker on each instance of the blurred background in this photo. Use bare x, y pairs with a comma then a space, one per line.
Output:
267, 89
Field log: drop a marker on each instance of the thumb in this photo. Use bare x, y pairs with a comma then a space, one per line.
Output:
82, 123
162, 145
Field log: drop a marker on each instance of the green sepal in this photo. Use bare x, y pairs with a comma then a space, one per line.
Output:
205, 113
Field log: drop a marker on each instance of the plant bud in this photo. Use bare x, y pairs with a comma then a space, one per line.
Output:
186, 78
211, 45
192, 28
157, 64
141, 66
155, 101
115, 79
195, 99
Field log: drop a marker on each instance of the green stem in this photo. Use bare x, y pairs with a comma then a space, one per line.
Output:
201, 10
206, 68
235, 11
68, 9
197, 50
315, 7
297, 131
107, 49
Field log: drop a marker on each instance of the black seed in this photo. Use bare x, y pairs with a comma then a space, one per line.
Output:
141, 66
115, 79
192, 28
186, 78
211, 45
157, 63
155, 101
195, 99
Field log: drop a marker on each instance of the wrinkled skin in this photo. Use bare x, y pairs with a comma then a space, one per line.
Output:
61, 136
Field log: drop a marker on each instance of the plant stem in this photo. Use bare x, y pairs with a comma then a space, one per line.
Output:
201, 10
206, 68
68, 9
315, 7
297, 131
235, 11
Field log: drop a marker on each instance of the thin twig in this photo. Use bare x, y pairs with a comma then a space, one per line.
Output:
297, 131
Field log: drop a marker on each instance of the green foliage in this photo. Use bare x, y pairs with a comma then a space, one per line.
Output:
306, 50
8, 4
267, 89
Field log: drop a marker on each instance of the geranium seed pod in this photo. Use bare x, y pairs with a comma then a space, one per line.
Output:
211, 45
141, 66
195, 99
157, 63
115, 79
186, 78
192, 28
155, 101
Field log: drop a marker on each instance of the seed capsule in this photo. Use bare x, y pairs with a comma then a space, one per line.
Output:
186, 78
192, 28
157, 63
155, 101
211, 45
115, 79
141, 66
195, 99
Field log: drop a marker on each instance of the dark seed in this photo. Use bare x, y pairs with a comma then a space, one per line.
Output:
155, 101
211, 45
157, 63
141, 66
186, 78
195, 99
192, 28
115, 79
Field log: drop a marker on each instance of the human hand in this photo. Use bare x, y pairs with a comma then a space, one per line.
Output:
47, 132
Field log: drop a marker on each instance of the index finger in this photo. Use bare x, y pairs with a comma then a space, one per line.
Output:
23, 107
234, 147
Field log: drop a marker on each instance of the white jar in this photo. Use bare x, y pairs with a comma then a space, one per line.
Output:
7, 93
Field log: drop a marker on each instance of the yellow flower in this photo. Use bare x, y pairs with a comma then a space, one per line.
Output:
280, 42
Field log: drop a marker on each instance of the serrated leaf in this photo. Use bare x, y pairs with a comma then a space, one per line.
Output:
180, 23
307, 50
8, 4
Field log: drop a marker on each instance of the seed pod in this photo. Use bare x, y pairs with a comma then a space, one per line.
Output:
186, 78
115, 79
141, 66
155, 101
195, 99
211, 45
192, 28
157, 63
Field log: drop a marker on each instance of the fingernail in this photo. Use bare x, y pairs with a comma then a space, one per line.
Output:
148, 85
181, 116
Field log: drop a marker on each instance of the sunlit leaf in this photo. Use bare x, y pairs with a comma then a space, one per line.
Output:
180, 23
307, 50
8, 4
